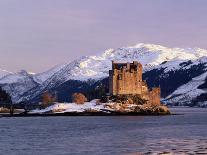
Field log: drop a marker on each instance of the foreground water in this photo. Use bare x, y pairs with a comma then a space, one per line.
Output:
178, 134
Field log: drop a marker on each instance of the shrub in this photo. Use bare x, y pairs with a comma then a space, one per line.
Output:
47, 99
79, 98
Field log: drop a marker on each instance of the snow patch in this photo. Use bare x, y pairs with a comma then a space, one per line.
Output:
188, 91
70, 107
3, 73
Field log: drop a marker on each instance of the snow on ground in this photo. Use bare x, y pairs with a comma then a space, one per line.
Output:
93, 106
87, 106
71, 107
202, 104
188, 91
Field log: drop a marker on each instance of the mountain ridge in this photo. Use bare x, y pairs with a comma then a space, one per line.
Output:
153, 57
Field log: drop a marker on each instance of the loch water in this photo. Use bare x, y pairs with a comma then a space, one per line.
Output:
127, 135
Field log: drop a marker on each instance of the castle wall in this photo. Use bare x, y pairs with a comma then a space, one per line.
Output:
154, 96
126, 78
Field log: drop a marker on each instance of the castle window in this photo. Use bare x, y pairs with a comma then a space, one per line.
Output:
119, 77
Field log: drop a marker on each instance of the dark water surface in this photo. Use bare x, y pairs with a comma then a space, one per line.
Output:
131, 135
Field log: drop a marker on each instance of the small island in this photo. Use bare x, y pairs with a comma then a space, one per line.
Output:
128, 95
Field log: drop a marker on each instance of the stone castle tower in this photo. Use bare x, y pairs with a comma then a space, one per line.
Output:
126, 79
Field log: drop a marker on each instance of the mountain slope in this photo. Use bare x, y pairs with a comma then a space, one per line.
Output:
150, 56
42, 77
189, 92
4, 73
168, 68
17, 84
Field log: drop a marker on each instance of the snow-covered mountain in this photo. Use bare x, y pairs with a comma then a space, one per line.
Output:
151, 56
17, 84
42, 77
189, 92
160, 64
4, 73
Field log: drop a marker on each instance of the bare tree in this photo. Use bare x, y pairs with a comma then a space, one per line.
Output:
79, 98
47, 99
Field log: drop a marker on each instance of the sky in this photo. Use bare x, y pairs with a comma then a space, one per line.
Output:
36, 35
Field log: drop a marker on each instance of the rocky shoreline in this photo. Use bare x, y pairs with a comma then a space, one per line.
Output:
94, 109
86, 114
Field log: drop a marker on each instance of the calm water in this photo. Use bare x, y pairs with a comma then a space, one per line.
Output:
106, 135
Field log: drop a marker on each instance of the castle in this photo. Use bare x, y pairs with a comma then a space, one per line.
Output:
126, 79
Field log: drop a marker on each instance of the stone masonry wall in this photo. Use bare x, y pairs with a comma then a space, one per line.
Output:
154, 96
126, 78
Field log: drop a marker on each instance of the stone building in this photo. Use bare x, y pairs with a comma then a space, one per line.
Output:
126, 79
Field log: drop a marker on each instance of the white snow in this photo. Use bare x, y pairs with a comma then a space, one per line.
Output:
92, 106
17, 84
149, 55
202, 104
97, 67
188, 91
71, 107
41, 77
12, 78
3, 73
